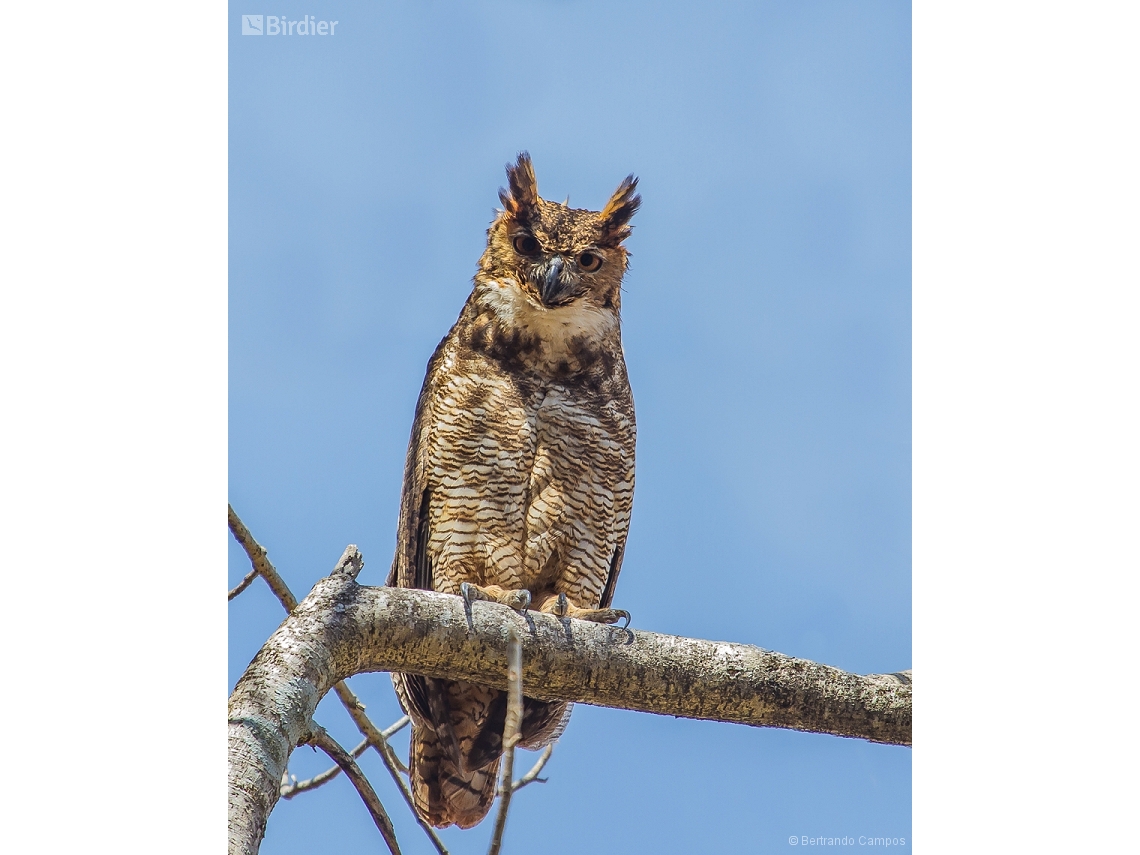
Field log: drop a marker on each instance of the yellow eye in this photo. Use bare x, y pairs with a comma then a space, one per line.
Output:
589, 261
525, 245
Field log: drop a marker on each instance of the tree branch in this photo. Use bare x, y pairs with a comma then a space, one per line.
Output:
262, 566
379, 741
243, 584
532, 776
263, 730
342, 629
331, 747
288, 791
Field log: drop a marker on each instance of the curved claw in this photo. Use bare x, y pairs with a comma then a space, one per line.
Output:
467, 592
622, 613
519, 600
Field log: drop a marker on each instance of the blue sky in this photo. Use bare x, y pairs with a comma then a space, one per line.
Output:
766, 328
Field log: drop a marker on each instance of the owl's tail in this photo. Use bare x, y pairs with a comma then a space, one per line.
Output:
443, 792
457, 740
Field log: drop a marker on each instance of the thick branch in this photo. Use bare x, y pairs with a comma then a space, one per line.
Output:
263, 567
393, 629
272, 705
342, 629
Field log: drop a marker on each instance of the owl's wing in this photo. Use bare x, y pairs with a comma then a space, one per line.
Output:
411, 566
624, 431
424, 699
611, 579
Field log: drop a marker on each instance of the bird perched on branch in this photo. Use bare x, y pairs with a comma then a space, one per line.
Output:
519, 476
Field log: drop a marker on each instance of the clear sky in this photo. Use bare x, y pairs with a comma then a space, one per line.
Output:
766, 321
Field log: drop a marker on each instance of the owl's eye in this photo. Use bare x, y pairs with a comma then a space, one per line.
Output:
525, 245
589, 261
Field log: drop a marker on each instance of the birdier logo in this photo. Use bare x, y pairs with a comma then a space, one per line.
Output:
271, 25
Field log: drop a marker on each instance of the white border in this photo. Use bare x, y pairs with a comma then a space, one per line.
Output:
113, 341
1025, 425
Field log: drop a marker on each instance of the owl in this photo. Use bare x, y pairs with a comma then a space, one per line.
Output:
518, 482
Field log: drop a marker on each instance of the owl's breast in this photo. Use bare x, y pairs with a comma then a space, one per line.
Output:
526, 479
581, 486
480, 446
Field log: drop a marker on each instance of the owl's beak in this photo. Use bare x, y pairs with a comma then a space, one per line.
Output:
555, 281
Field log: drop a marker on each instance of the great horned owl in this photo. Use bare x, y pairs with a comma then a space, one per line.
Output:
519, 477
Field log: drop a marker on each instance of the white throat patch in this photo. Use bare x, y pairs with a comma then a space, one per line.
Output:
554, 328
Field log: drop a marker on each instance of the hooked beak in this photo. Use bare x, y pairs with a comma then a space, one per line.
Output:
555, 282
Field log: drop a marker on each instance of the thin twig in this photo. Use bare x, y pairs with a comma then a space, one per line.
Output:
326, 743
261, 563
376, 738
297, 787
510, 738
244, 583
396, 726
532, 776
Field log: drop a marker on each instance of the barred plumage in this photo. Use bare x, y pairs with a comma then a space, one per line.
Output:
520, 470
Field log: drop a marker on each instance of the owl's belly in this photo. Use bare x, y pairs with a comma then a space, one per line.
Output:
529, 492
580, 491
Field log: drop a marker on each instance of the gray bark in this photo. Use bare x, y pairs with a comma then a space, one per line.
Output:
343, 628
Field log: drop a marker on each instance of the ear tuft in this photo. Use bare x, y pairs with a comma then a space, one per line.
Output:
521, 200
620, 209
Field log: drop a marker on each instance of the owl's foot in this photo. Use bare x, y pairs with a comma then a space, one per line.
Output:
559, 606
517, 599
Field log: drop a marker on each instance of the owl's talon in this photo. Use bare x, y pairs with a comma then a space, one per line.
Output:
612, 616
562, 606
471, 593
518, 600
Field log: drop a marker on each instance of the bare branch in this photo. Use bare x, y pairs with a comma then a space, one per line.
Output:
395, 727
288, 790
379, 741
343, 628
326, 743
244, 583
532, 776
426, 632
261, 564
376, 738
510, 737
350, 564
297, 787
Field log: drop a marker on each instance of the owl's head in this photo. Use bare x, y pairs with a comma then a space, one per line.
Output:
559, 256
